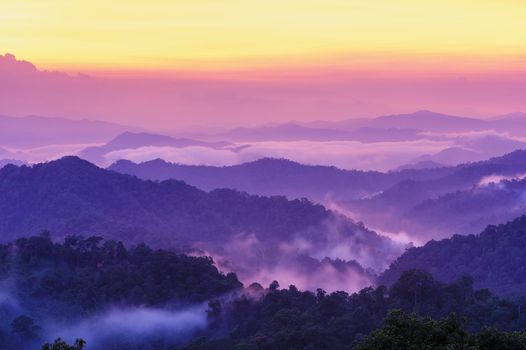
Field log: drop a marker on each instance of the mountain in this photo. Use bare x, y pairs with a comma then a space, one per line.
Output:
495, 258
421, 120
417, 201
424, 164
463, 201
270, 176
470, 148
430, 121
38, 131
4, 162
453, 155
283, 132
72, 196
131, 140
136, 298
51, 289
422, 313
297, 132
471, 210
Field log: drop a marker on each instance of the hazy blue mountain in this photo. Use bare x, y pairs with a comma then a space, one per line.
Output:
453, 156
132, 140
72, 196
4, 162
279, 177
283, 132
464, 201
297, 132
434, 122
36, 131
474, 149
495, 258
424, 164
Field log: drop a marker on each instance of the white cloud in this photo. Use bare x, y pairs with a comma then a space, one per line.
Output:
343, 154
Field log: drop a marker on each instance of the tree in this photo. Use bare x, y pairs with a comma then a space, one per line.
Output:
59, 344
25, 327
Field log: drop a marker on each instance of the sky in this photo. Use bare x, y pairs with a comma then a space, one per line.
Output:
274, 60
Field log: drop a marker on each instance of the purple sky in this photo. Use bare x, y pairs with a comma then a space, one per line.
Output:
173, 103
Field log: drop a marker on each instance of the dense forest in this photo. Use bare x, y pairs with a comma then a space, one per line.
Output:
44, 283
126, 294
495, 259
72, 196
463, 201
275, 318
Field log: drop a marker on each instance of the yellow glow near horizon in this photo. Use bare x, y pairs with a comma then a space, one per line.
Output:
233, 34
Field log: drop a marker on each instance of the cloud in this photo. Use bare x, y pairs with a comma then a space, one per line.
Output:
338, 255
133, 326
192, 155
496, 179
342, 154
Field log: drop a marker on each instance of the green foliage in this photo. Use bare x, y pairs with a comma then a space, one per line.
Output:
495, 259
59, 344
409, 331
70, 195
89, 274
291, 319
403, 331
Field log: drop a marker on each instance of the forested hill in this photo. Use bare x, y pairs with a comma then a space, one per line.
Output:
48, 287
92, 273
71, 195
292, 319
270, 176
496, 259
250, 233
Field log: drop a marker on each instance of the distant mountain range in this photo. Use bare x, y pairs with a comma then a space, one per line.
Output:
496, 259
295, 132
435, 122
422, 136
4, 162
432, 202
423, 164
458, 139
131, 140
463, 201
72, 196
37, 131
397, 127
269, 177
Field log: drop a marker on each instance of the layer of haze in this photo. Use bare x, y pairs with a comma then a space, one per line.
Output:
171, 104
172, 64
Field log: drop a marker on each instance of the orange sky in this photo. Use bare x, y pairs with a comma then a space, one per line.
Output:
238, 62
248, 35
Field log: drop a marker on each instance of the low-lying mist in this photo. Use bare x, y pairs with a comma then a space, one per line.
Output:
129, 327
137, 328
339, 256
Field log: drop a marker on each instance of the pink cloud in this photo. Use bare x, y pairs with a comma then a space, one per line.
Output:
177, 102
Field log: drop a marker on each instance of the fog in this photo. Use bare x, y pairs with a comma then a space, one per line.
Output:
342, 154
116, 328
338, 256
138, 326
